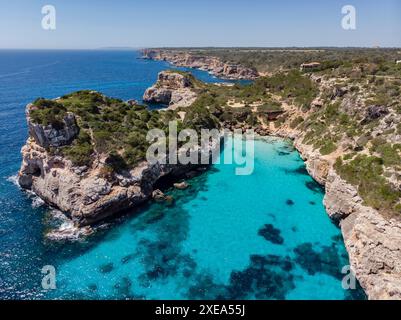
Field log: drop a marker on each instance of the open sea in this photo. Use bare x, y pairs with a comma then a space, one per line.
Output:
261, 236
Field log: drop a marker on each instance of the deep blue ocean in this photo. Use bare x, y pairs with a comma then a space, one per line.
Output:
262, 236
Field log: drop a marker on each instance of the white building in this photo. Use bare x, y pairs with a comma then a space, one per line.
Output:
308, 66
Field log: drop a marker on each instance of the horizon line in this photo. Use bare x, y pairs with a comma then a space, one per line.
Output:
207, 47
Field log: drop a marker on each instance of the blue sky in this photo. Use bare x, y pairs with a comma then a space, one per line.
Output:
139, 23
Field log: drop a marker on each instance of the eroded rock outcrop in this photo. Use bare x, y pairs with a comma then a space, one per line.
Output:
341, 199
53, 135
374, 246
375, 112
173, 89
85, 194
88, 197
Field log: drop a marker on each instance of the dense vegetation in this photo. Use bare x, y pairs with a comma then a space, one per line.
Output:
366, 172
48, 112
273, 59
291, 85
111, 127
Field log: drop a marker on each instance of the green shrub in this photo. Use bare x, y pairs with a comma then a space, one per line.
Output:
296, 122
389, 154
116, 162
198, 118
269, 107
79, 154
133, 156
366, 172
113, 124
103, 141
328, 147
48, 112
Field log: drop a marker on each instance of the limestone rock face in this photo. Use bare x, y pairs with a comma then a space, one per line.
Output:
341, 198
373, 242
173, 80
172, 89
375, 112
157, 95
182, 98
88, 197
317, 166
374, 247
50, 135
150, 54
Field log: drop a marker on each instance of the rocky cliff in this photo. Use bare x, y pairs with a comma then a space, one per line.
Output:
172, 89
373, 242
88, 193
52, 135
213, 65
86, 196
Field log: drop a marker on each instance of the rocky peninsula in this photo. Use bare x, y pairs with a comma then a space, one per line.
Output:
214, 65
79, 160
172, 89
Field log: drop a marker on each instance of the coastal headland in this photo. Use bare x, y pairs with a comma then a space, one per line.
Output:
86, 152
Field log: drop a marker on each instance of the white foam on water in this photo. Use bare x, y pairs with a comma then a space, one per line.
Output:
67, 230
36, 200
14, 180
58, 215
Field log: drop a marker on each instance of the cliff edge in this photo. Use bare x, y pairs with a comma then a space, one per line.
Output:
85, 155
173, 89
214, 65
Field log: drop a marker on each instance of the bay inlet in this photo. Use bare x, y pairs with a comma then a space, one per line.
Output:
262, 236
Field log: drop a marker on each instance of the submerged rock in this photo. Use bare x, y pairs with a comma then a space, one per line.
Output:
181, 185
289, 202
106, 268
271, 234
158, 195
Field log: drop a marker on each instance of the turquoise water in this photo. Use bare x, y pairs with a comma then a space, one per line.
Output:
210, 243
263, 236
